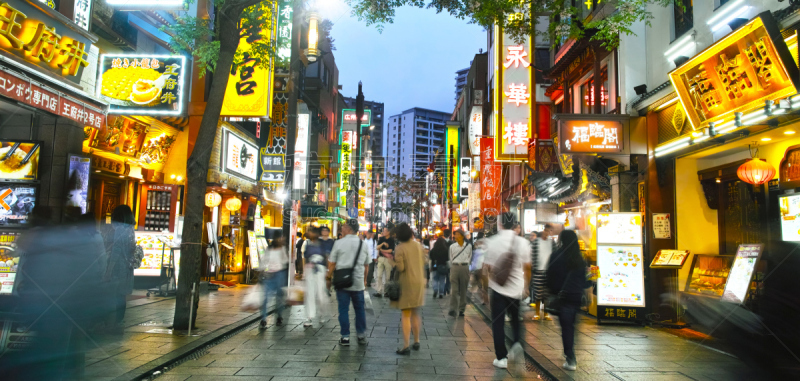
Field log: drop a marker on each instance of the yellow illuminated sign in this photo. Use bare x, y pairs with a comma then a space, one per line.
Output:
452, 156
738, 73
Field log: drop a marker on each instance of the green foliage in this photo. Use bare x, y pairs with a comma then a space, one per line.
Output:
518, 18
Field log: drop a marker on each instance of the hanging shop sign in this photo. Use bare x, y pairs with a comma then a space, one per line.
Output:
475, 130
276, 141
736, 74
516, 99
362, 196
38, 96
591, 136
465, 178
300, 172
77, 192
742, 272
32, 35
249, 89
239, 157
451, 156
349, 144
142, 84
349, 119
20, 160
284, 30
82, 13
272, 167
546, 160
490, 179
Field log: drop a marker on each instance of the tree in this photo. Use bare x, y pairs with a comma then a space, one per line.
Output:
214, 44
518, 18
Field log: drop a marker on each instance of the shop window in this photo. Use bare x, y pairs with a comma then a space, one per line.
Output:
683, 17
588, 96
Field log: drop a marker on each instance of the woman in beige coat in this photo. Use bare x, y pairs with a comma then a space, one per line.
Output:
409, 261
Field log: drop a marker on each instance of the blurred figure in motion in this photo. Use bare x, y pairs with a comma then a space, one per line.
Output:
542, 248
440, 255
120, 246
410, 263
275, 276
476, 267
59, 282
316, 296
566, 277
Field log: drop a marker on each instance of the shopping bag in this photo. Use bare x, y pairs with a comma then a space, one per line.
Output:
295, 295
253, 299
368, 304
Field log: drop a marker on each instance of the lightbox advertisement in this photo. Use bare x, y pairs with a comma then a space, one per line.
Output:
142, 84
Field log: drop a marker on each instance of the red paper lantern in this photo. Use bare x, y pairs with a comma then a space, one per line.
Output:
756, 172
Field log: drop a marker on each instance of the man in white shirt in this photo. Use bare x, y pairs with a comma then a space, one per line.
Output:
345, 255
542, 247
460, 258
371, 244
506, 298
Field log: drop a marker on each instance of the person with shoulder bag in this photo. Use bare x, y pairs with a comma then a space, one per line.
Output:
274, 277
566, 280
410, 269
460, 258
508, 262
120, 243
347, 270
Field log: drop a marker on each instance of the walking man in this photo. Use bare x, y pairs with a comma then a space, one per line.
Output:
372, 249
385, 261
542, 247
350, 252
508, 252
460, 258
439, 256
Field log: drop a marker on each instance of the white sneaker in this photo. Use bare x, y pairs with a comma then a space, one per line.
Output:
502, 364
516, 360
308, 324
570, 365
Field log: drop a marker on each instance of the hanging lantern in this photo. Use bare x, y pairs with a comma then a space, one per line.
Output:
233, 204
756, 172
213, 199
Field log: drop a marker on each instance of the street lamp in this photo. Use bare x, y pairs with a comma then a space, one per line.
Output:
313, 37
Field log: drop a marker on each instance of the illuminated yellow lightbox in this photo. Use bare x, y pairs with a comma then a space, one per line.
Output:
451, 157
738, 73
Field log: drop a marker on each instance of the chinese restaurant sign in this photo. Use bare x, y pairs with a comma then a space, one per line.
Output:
451, 157
300, 173
475, 130
466, 168
490, 179
590, 136
142, 84
346, 164
349, 119
82, 13
239, 157
276, 141
249, 88
516, 100
736, 74
36, 95
33, 36
272, 167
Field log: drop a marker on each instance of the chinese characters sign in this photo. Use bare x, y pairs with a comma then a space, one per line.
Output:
451, 156
284, 29
82, 13
346, 163
475, 130
737, 74
249, 88
33, 36
466, 168
240, 157
591, 136
349, 119
490, 179
300, 178
516, 100
33, 94
142, 84
272, 167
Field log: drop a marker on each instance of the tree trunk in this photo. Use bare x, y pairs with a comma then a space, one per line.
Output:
197, 170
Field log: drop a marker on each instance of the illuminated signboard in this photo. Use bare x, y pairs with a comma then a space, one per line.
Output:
451, 157
466, 168
32, 35
738, 73
144, 4
514, 100
301, 152
591, 136
346, 164
82, 13
142, 84
276, 141
349, 118
272, 167
249, 88
240, 157
490, 179
475, 130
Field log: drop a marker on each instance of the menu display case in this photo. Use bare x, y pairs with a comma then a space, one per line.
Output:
709, 274
158, 206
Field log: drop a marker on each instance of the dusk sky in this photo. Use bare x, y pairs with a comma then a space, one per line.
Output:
411, 64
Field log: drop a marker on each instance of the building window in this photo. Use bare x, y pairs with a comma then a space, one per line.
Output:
683, 17
719, 3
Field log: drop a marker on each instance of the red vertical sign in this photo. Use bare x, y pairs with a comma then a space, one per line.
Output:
490, 179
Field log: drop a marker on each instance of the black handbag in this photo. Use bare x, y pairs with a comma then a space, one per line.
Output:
552, 305
393, 291
343, 278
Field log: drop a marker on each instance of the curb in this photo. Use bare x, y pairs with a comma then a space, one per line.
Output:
190, 351
533, 360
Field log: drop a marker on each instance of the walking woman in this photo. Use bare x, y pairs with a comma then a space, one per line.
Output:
316, 269
566, 277
120, 246
410, 263
275, 276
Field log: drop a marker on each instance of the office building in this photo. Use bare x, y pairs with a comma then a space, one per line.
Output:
412, 138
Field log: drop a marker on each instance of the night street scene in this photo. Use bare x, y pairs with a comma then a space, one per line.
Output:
420, 190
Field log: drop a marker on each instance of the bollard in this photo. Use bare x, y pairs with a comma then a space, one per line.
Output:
191, 310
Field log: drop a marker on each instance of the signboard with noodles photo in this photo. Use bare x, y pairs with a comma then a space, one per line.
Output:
142, 84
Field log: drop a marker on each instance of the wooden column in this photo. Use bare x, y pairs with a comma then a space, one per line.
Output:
598, 95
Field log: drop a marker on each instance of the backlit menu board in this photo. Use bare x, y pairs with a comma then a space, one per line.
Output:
252, 242
621, 280
790, 218
741, 274
9, 261
619, 228
153, 249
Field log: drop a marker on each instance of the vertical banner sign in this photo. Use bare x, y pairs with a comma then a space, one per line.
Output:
362, 196
249, 90
490, 179
466, 168
452, 155
301, 154
276, 141
82, 13
475, 130
516, 100
346, 164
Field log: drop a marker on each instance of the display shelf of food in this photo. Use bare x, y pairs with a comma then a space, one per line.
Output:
709, 274
156, 211
154, 249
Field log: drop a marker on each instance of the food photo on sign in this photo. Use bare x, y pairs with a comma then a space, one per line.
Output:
145, 84
19, 160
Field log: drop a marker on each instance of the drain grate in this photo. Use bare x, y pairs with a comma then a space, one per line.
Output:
631, 335
156, 323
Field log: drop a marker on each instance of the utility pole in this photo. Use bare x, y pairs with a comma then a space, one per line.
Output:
360, 149
291, 128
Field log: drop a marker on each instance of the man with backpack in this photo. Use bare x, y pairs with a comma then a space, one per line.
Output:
350, 258
508, 261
